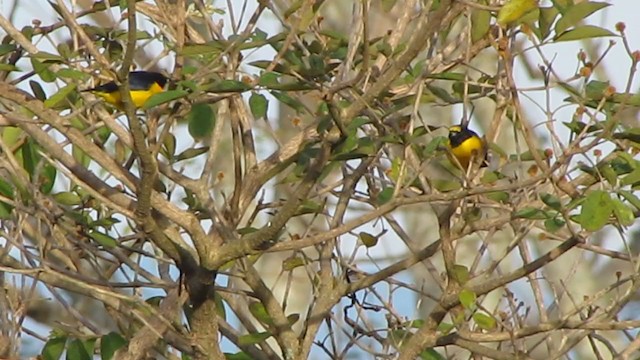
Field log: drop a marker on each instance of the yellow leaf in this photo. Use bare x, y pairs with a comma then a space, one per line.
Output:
513, 10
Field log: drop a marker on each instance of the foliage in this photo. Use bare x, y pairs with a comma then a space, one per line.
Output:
291, 195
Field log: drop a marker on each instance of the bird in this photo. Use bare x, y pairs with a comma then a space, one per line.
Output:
465, 145
142, 85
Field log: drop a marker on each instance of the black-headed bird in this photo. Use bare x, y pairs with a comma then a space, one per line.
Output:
142, 85
466, 145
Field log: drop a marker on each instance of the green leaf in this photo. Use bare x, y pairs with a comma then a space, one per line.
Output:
546, 18
103, 239
252, 339
9, 67
631, 198
226, 86
551, 201
498, 196
309, 207
368, 240
622, 212
576, 13
531, 213
109, 344
191, 153
47, 178
209, 49
72, 74
42, 70
238, 356
44, 56
484, 321
460, 274
37, 90
169, 146
631, 178
164, 97
7, 48
480, 23
292, 263
58, 97
583, 32
467, 299
54, 347
201, 121
288, 100
385, 195
431, 354
387, 5
632, 134
269, 79
513, 10
554, 224
77, 351
261, 314
259, 105
596, 210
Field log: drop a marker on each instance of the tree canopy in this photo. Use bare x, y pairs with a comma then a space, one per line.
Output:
292, 193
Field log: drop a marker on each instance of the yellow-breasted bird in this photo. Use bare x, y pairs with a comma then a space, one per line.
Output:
142, 84
466, 145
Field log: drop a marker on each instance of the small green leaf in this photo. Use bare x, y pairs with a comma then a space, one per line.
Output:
288, 100
546, 18
109, 344
238, 356
169, 145
37, 90
67, 198
226, 86
259, 105
583, 32
77, 351
252, 339
103, 239
292, 263
576, 13
210, 48
596, 210
201, 121
191, 153
554, 224
460, 274
9, 67
480, 23
261, 314
54, 347
631, 198
513, 10
7, 48
309, 207
164, 97
551, 201
431, 354
368, 240
531, 213
58, 97
498, 196
484, 321
631, 178
467, 299
385, 195
622, 212
42, 69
